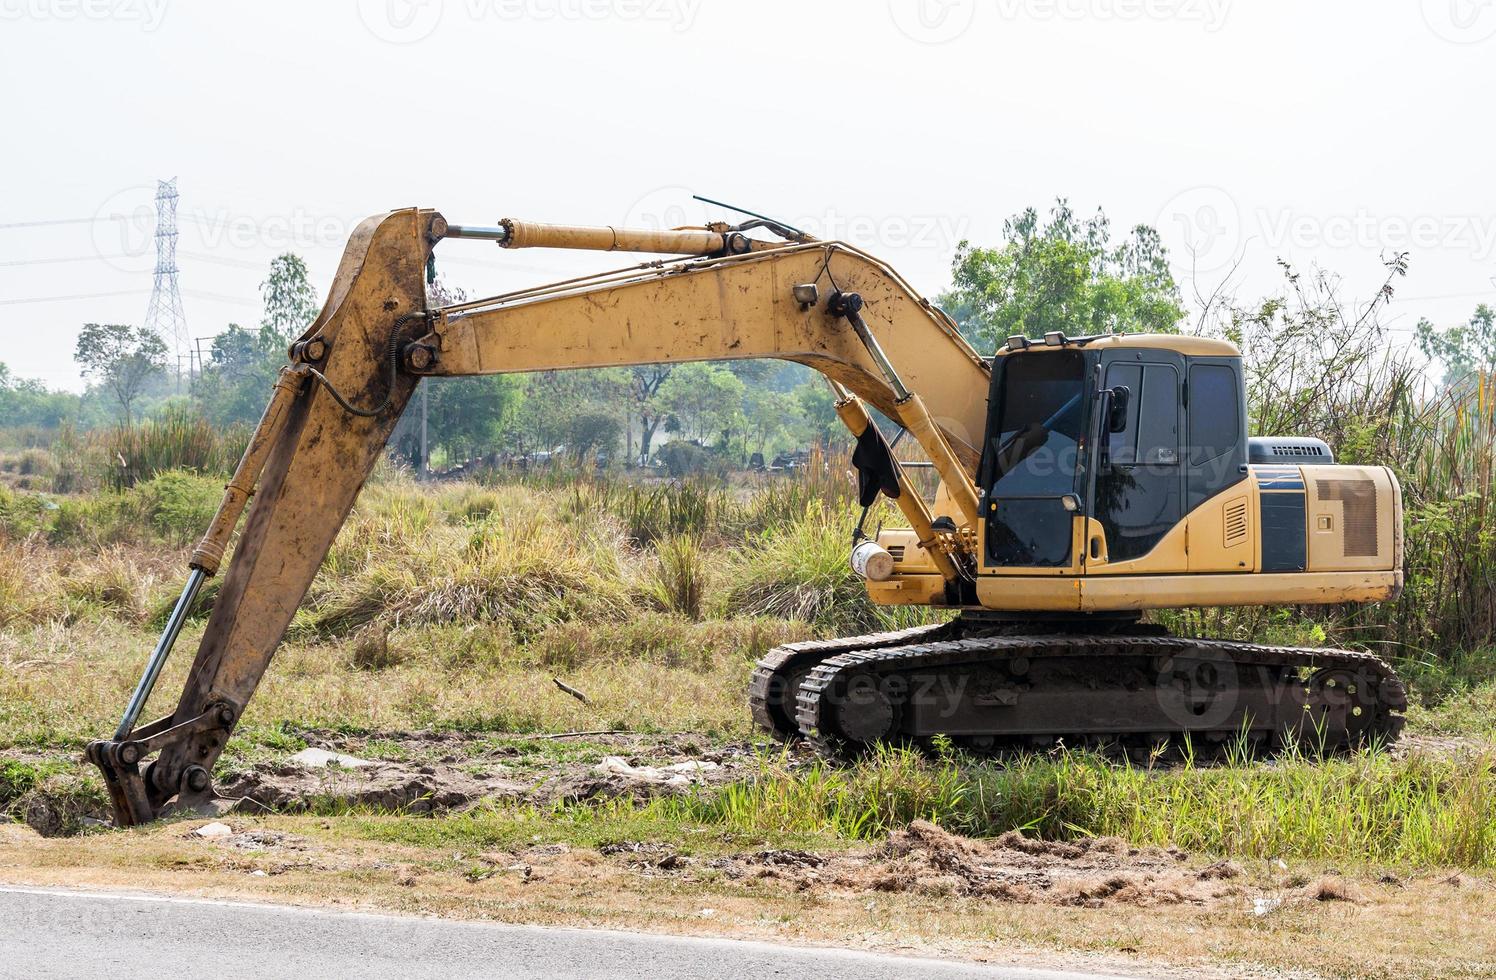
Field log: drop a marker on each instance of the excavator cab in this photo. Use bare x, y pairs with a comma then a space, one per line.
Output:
1121, 436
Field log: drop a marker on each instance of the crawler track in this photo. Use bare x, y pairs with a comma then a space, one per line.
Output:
1130, 691
776, 678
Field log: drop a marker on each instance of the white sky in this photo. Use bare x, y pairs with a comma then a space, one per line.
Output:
1324, 132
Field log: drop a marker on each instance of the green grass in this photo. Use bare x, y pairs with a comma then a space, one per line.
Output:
1369, 810
19, 778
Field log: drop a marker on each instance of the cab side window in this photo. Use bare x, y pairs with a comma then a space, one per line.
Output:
1152, 434
1215, 412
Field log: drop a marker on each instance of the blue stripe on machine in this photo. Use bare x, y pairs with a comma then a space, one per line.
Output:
1284, 532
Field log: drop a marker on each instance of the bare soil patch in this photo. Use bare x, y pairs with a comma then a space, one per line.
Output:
435, 772
929, 861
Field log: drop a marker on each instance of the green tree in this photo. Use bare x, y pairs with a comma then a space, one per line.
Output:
235, 383
464, 416
706, 400
290, 302
1064, 275
818, 414
769, 416
644, 384
121, 359
595, 429
1464, 349
28, 402
562, 408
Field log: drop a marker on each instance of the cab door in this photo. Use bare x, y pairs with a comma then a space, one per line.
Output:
1033, 462
1139, 487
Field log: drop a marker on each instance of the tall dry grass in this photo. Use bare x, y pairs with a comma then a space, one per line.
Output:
177, 439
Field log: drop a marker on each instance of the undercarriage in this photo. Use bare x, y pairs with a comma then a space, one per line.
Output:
993, 685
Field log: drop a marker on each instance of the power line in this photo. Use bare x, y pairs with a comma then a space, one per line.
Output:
72, 296
66, 258
62, 221
218, 297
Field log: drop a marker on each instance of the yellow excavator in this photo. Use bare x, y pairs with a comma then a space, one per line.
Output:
1082, 481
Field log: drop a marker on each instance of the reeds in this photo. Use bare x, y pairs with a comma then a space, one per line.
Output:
177, 439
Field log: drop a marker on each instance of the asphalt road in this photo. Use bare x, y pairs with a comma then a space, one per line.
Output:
53, 933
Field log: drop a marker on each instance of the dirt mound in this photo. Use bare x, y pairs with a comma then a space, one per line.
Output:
926, 859
1088, 872
389, 787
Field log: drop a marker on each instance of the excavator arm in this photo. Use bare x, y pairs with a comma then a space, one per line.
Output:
722, 295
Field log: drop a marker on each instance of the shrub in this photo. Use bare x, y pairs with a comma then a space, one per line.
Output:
23, 514
683, 459
398, 562
801, 571
178, 439
679, 582
179, 505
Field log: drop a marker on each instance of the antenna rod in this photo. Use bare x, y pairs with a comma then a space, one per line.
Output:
751, 214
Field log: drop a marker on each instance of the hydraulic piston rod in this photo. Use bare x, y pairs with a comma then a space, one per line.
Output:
209, 552
153, 666
912, 413
509, 233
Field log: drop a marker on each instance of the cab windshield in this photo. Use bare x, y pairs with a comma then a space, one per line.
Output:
1034, 457
1036, 442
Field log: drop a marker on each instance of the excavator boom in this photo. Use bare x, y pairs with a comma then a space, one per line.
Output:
825, 305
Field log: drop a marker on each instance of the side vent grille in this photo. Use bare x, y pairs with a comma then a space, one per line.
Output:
1316, 452
1236, 522
1266, 450
896, 552
1360, 522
